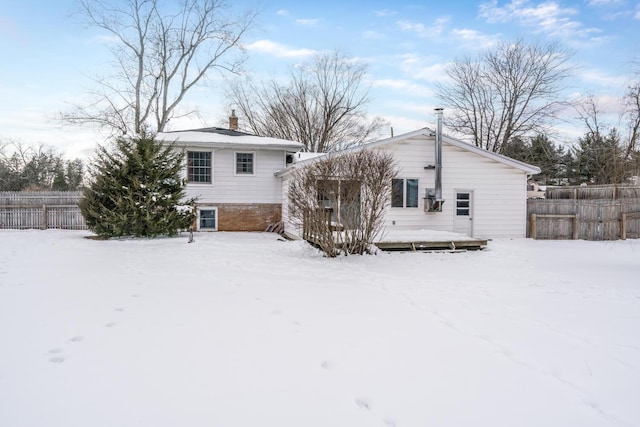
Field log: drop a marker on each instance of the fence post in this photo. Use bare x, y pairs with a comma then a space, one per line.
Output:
623, 227
45, 220
575, 227
532, 226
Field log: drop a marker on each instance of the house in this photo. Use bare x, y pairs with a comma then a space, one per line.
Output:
232, 175
535, 190
448, 185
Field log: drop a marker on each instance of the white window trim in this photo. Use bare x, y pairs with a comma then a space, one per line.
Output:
404, 195
207, 208
186, 171
235, 163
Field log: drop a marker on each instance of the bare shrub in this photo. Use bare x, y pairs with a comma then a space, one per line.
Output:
340, 200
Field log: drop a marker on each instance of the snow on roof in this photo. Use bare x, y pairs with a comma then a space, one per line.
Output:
426, 132
525, 167
219, 137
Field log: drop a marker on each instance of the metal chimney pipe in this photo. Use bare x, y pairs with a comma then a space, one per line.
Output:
438, 183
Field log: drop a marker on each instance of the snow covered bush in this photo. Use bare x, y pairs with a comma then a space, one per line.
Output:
137, 190
340, 200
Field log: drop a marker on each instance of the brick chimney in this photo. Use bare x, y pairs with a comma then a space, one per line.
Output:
233, 120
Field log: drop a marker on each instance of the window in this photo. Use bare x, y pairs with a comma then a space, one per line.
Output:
462, 204
342, 197
207, 220
199, 166
404, 193
245, 163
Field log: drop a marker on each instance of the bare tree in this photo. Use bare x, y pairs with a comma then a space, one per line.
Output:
632, 114
590, 113
159, 56
603, 155
340, 200
322, 105
510, 91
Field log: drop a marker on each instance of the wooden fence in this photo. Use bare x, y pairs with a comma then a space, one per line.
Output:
41, 209
594, 192
587, 219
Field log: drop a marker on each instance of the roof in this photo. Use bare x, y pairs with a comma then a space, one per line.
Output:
426, 132
214, 137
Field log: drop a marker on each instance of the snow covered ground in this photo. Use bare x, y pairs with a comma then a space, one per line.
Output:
241, 329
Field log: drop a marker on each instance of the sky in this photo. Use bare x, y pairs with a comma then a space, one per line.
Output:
48, 58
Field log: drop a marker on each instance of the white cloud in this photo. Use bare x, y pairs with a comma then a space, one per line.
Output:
282, 12
606, 3
276, 49
372, 35
474, 39
421, 68
547, 17
308, 22
384, 13
602, 78
436, 28
407, 87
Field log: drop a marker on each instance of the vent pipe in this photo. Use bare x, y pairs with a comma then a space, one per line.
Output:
438, 183
433, 196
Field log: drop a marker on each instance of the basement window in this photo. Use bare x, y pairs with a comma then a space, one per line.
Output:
404, 193
207, 219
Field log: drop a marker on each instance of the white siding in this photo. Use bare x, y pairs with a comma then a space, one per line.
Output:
499, 191
291, 227
227, 187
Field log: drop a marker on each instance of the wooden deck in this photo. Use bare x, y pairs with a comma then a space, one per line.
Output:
440, 245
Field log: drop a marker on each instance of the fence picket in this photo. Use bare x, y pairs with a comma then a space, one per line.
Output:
41, 210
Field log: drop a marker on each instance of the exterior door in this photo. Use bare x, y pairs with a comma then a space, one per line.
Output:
463, 212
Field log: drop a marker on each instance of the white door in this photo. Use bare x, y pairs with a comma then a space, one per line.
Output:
463, 212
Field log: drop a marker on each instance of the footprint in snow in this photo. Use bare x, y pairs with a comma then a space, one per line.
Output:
120, 309
55, 351
363, 403
56, 359
76, 339
110, 325
328, 365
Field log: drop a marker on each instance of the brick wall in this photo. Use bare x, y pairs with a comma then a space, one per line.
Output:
248, 217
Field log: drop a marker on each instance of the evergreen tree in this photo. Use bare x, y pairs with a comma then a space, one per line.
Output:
137, 190
549, 158
38, 169
542, 152
600, 159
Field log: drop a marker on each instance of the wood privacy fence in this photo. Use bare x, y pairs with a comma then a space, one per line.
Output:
599, 192
41, 209
588, 213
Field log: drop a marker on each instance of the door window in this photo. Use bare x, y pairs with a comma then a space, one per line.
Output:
462, 204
